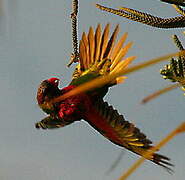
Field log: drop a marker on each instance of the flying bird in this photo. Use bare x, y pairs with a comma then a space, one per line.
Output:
99, 57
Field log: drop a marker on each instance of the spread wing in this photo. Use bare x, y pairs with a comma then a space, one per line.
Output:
113, 126
101, 55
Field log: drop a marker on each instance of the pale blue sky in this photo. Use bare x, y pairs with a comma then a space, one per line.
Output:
35, 44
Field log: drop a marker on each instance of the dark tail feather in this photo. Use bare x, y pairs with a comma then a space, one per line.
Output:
163, 161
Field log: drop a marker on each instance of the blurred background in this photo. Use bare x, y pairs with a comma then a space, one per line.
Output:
35, 44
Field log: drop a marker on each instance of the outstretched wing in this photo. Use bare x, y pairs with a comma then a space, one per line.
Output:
113, 126
101, 55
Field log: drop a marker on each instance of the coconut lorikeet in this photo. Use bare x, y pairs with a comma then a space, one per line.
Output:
99, 56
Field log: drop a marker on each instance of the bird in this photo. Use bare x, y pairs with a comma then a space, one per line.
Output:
100, 56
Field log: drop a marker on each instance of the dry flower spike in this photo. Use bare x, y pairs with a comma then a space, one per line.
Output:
148, 19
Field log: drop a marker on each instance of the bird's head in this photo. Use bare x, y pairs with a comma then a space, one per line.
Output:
48, 89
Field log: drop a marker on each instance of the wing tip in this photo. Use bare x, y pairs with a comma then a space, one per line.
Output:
163, 161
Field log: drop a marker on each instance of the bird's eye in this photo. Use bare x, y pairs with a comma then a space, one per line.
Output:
56, 81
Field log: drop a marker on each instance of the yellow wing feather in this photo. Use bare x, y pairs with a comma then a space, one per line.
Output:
91, 44
86, 50
104, 41
112, 42
118, 58
101, 54
97, 42
118, 46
